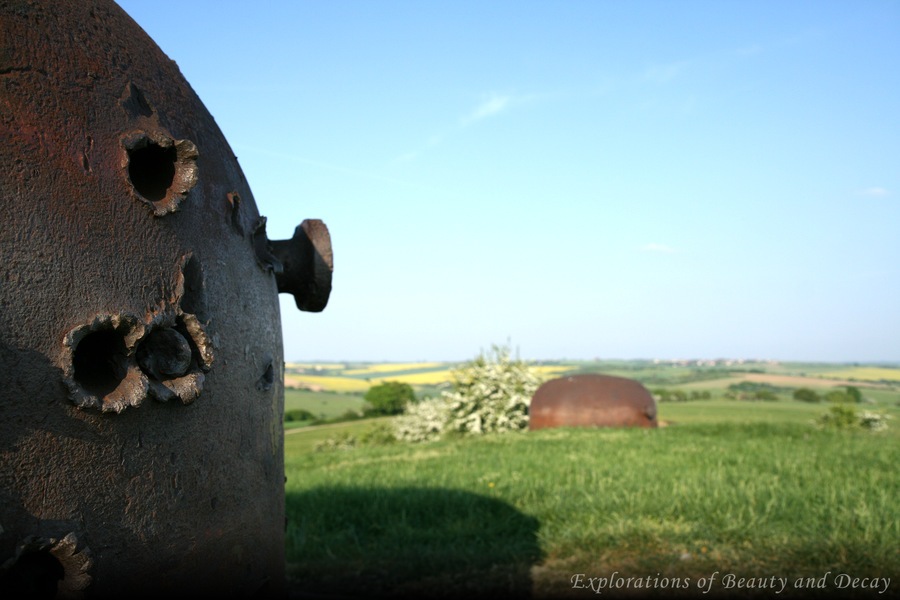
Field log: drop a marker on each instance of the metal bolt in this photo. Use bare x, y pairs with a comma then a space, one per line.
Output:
308, 264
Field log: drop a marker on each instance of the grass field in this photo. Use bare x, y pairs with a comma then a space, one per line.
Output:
322, 405
303, 440
749, 488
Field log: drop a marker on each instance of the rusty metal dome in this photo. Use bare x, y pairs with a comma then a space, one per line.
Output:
141, 446
591, 401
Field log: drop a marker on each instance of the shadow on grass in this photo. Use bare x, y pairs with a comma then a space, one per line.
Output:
408, 542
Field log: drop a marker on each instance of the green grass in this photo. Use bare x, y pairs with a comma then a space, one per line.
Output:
322, 404
740, 487
300, 440
738, 412
882, 397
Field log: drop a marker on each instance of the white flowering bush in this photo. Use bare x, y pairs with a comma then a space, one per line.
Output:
423, 421
842, 415
490, 395
873, 421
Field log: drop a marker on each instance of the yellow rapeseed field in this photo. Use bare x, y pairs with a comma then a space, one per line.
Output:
547, 371
392, 367
429, 378
337, 383
866, 374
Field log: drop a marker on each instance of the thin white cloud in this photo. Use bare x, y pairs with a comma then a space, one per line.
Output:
406, 157
665, 73
414, 154
751, 50
873, 191
492, 106
658, 248
338, 168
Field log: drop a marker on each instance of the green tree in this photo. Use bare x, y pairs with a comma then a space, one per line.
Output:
854, 394
298, 414
806, 395
679, 396
838, 397
389, 398
840, 415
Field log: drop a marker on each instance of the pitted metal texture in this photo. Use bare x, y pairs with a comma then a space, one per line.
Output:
141, 447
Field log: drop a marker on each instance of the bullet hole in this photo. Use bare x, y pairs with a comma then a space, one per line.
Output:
164, 354
161, 171
34, 575
46, 568
151, 170
85, 155
237, 213
193, 299
263, 251
98, 364
267, 379
100, 361
134, 103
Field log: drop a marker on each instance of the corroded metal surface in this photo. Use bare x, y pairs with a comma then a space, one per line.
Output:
592, 401
141, 448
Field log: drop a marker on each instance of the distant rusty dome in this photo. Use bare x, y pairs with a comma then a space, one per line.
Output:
592, 401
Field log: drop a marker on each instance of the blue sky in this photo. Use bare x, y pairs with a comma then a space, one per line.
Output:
581, 179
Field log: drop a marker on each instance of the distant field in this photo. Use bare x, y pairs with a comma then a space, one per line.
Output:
329, 382
322, 405
428, 378
425, 376
392, 368
549, 371
360, 378
882, 397
868, 374
734, 411
793, 381
316, 366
